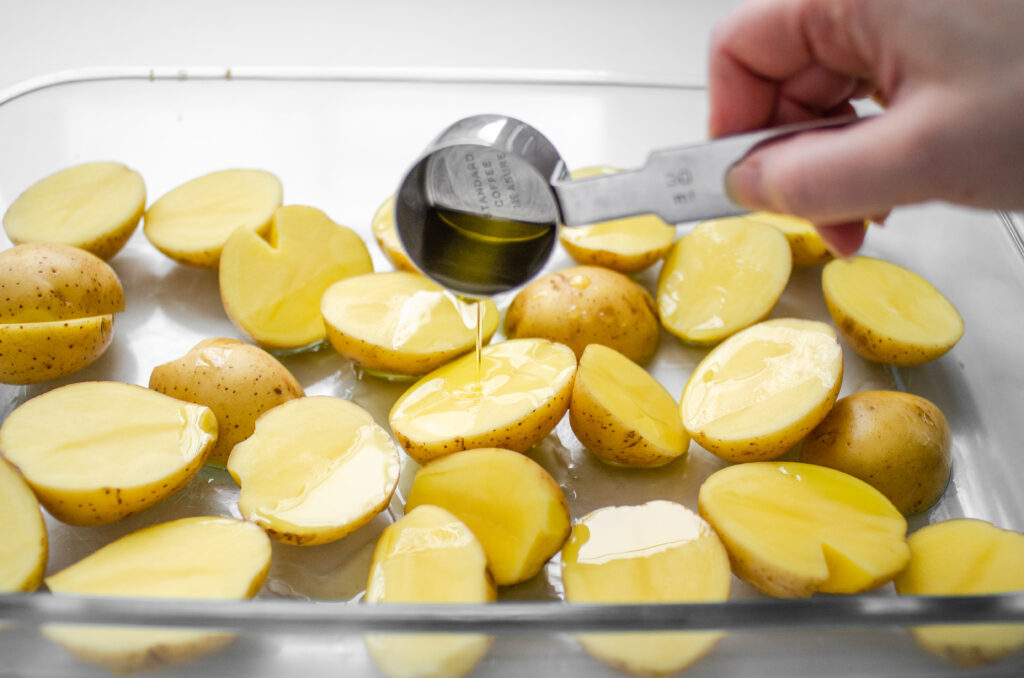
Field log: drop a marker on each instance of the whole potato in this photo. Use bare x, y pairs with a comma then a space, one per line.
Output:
587, 305
897, 442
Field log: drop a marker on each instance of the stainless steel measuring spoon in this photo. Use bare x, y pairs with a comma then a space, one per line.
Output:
479, 211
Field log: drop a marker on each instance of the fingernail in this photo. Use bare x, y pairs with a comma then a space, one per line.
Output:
744, 186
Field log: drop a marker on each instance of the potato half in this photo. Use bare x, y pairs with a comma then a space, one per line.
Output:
805, 243
755, 395
314, 470
794, 529
522, 393
386, 236
659, 552
95, 206
23, 543
400, 323
197, 557
889, 314
95, 452
724, 275
965, 557
622, 414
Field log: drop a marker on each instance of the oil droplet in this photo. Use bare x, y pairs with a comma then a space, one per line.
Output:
579, 281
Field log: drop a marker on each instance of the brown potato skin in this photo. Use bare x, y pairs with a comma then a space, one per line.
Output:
899, 443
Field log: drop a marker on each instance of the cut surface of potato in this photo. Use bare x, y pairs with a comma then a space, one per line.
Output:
384, 232
965, 557
622, 414
428, 556
724, 275
889, 314
805, 243
197, 557
522, 393
758, 393
95, 452
794, 529
314, 470
401, 323
190, 223
236, 380
271, 287
658, 552
514, 507
95, 206
23, 541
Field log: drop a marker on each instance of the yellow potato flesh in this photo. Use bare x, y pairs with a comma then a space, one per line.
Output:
95, 206
314, 470
271, 288
793, 529
757, 394
191, 223
659, 552
622, 414
428, 556
95, 452
805, 243
522, 393
23, 543
383, 226
889, 314
724, 275
512, 505
965, 557
401, 323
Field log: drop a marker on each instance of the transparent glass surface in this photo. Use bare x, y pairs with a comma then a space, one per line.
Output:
340, 142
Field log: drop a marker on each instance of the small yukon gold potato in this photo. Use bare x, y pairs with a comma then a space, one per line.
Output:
659, 552
889, 314
95, 452
724, 275
428, 556
622, 414
401, 323
794, 529
625, 245
197, 557
805, 243
95, 206
236, 380
386, 236
23, 544
271, 287
755, 395
57, 306
191, 222
587, 305
898, 443
965, 557
520, 396
514, 507
314, 470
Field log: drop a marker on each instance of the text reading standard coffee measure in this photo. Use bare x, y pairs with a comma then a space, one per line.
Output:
479, 211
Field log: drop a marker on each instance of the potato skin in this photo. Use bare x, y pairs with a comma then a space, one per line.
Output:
587, 305
897, 442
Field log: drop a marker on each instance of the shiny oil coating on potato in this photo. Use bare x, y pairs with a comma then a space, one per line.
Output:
23, 538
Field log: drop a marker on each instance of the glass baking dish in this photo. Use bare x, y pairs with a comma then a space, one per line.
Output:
340, 140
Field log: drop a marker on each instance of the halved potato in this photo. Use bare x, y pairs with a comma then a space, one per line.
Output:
428, 556
522, 393
384, 232
314, 470
625, 245
889, 314
724, 275
95, 206
95, 452
271, 287
401, 323
198, 557
191, 222
514, 507
23, 543
659, 552
759, 392
965, 557
805, 243
622, 414
794, 529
